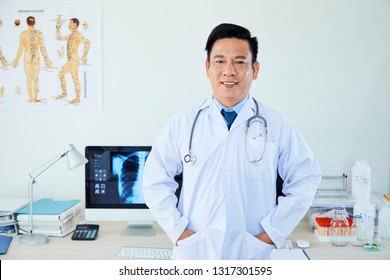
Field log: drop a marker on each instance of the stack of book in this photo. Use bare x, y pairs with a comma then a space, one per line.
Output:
8, 223
51, 217
8, 208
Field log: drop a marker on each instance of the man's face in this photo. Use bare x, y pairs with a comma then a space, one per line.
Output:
72, 25
230, 70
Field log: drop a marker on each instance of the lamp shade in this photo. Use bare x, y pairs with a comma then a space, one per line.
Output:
75, 159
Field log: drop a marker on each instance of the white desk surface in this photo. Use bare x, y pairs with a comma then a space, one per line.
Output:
326, 251
109, 242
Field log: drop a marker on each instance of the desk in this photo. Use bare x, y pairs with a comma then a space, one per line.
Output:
326, 251
105, 247
109, 241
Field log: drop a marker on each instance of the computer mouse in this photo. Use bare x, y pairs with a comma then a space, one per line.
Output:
303, 243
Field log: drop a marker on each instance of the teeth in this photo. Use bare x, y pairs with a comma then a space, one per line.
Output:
229, 83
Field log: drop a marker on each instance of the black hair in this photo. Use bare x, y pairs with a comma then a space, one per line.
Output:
75, 20
229, 30
30, 20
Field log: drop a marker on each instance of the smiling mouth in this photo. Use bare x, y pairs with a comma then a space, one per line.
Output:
228, 83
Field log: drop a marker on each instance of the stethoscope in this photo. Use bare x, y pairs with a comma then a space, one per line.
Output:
190, 158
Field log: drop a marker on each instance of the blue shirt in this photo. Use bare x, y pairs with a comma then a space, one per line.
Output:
237, 108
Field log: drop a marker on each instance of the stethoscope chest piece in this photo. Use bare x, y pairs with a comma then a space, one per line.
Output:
189, 158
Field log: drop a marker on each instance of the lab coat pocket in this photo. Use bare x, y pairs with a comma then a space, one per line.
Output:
191, 239
255, 149
264, 167
255, 249
192, 247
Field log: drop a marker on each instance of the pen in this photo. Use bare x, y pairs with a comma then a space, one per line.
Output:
387, 197
307, 256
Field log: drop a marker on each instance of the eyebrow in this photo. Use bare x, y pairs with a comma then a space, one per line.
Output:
236, 57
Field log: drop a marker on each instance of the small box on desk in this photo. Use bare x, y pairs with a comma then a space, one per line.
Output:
322, 228
325, 210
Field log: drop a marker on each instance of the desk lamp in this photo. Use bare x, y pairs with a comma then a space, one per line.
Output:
75, 159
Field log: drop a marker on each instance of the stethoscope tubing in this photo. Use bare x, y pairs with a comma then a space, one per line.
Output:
190, 158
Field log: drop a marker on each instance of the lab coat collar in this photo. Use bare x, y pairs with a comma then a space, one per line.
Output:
213, 110
206, 103
247, 111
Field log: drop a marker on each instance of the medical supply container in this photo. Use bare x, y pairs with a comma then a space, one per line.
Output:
384, 221
356, 234
361, 180
339, 228
366, 209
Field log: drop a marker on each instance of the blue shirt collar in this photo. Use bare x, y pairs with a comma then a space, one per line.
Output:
237, 108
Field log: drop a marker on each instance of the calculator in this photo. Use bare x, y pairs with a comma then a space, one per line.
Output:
85, 232
287, 245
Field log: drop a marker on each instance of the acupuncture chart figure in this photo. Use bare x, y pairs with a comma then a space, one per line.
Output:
74, 39
32, 43
3, 60
4, 65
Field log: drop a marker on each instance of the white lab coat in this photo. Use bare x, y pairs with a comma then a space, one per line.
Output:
225, 199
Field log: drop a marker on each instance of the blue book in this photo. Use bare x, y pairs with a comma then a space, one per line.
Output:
5, 241
49, 209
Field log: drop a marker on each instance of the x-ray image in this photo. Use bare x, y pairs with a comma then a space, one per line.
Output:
129, 170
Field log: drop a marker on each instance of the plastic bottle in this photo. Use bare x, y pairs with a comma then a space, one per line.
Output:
384, 221
366, 210
361, 180
356, 234
339, 228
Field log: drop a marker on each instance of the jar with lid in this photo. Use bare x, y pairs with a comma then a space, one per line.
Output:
339, 228
356, 236
366, 210
361, 180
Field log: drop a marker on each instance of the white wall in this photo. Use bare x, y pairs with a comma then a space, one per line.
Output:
325, 64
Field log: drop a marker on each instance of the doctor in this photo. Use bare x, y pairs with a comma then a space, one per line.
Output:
228, 207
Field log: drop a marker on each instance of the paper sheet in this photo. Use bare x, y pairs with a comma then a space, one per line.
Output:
293, 254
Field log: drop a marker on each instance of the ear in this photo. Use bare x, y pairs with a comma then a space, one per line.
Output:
256, 69
207, 65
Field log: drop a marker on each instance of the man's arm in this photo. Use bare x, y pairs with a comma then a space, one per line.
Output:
87, 45
42, 48
300, 170
58, 33
3, 60
19, 53
159, 185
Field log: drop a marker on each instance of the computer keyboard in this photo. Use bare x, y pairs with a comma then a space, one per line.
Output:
152, 253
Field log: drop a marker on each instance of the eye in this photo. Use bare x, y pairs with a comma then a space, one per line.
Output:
240, 62
219, 61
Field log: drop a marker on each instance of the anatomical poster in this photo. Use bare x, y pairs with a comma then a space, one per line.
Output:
50, 57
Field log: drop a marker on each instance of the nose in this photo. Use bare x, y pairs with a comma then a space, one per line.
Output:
230, 70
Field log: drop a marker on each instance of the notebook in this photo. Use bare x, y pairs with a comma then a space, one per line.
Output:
5, 241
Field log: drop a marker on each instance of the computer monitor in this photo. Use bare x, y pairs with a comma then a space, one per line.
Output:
113, 187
